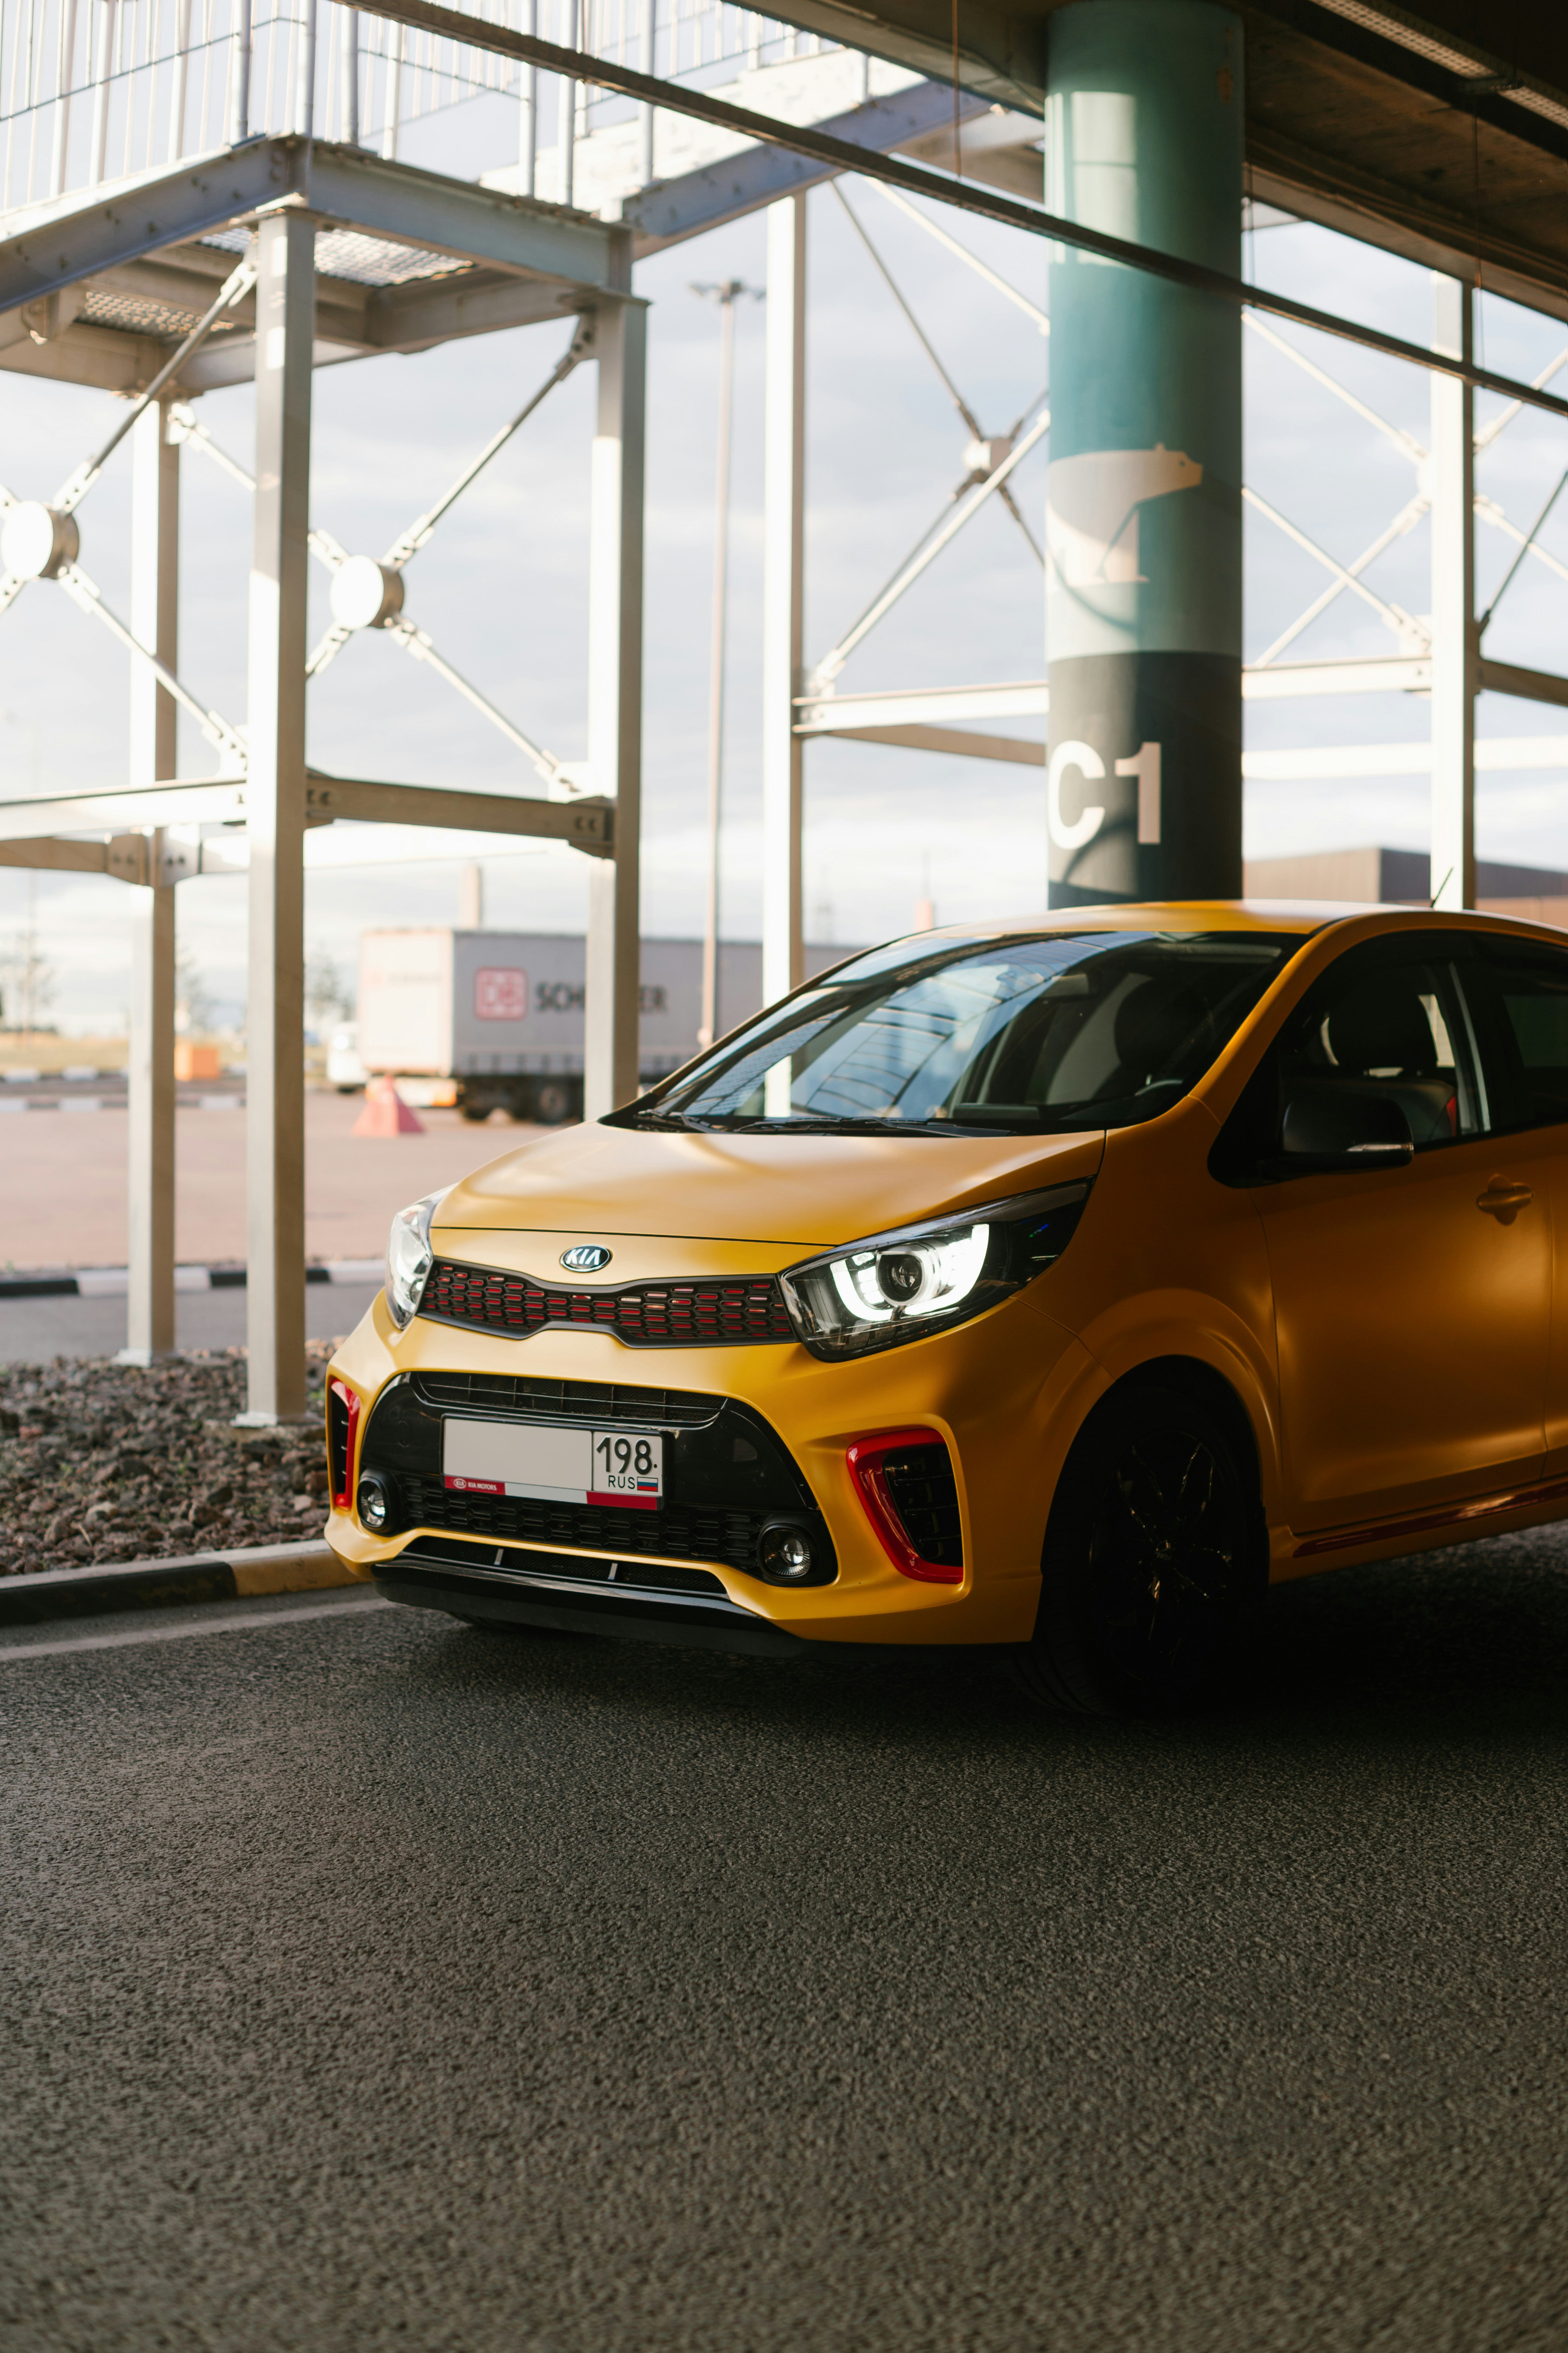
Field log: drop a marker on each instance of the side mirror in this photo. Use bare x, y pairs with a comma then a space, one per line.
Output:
1327, 1128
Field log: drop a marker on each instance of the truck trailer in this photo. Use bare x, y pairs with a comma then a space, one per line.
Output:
501, 1014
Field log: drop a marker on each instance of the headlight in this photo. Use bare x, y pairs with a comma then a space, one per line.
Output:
408, 1256
894, 1287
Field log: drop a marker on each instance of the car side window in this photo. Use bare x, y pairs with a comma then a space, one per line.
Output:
1387, 1019
1521, 989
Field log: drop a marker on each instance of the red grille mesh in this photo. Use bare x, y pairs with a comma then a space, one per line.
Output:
644, 1315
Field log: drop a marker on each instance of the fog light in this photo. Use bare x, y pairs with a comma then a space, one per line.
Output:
373, 1502
785, 1553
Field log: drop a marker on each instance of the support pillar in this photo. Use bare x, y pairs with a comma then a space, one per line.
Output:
154, 618
1143, 518
275, 816
1455, 646
611, 1060
783, 574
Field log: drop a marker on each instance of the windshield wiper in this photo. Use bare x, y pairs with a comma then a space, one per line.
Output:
633, 1116
739, 1124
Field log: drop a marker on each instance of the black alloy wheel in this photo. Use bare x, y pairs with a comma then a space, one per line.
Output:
1155, 1558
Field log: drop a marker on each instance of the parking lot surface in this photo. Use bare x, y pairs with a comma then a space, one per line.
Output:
62, 1181
374, 1982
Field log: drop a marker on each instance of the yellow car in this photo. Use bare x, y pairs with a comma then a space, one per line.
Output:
1050, 1285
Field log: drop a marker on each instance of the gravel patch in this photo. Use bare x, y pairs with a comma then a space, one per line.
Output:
103, 1463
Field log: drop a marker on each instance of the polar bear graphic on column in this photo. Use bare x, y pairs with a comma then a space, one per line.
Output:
1091, 511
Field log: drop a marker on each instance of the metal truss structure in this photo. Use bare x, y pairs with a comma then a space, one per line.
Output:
172, 222
1441, 657
158, 245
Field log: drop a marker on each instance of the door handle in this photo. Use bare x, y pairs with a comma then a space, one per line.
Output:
1504, 1199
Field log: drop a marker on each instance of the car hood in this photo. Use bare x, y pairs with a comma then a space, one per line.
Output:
810, 1191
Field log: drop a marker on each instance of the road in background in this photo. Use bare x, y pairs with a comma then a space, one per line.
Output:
32, 1331
374, 1983
62, 1181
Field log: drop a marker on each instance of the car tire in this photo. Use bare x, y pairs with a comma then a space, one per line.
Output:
551, 1103
1155, 1560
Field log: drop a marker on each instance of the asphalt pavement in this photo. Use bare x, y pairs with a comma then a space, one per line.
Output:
372, 1982
35, 1331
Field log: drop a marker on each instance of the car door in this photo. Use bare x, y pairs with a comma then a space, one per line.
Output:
1412, 1301
1520, 988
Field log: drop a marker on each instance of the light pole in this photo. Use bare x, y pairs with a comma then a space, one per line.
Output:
727, 293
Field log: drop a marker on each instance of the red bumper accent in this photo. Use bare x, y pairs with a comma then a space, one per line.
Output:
346, 1435
866, 1457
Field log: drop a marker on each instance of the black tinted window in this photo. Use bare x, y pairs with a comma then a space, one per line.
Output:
1526, 1035
1384, 1021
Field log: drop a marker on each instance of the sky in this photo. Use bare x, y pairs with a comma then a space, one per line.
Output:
502, 590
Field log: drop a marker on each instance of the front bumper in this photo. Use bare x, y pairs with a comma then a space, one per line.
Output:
996, 1391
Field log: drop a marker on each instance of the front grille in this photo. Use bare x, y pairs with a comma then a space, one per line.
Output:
925, 1495
642, 1316
679, 1531
476, 1560
512, 1397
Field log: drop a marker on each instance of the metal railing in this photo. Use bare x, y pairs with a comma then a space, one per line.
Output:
92, 91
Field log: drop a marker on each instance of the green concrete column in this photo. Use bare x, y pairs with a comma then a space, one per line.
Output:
1143, 140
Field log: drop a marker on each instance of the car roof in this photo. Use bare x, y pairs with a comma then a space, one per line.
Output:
1303, 916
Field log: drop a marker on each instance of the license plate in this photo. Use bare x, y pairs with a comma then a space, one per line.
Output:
553, 1465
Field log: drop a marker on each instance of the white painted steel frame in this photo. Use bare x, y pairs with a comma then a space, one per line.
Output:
149, 1142
614, 701
784, 584
275, 821
1456, 646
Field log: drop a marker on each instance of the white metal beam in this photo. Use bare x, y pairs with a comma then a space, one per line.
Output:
275, 816
1282, 681
849, 714
1527, 685
956, 741
150, 1137
833, 662
784, 559
1456, 648
125, 860
765, 174
1313, 764
611, 1071
587, 824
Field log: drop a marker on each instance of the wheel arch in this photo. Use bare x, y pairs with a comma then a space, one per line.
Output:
1178, 1369
1193, 1374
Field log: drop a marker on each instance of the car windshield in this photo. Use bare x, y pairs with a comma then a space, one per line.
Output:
1059, 1031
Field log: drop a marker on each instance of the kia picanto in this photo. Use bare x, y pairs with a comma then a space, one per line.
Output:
1050, 1286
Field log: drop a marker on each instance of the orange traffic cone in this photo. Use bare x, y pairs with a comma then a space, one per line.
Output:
386, 1113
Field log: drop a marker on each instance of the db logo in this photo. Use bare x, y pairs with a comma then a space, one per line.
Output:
500, 994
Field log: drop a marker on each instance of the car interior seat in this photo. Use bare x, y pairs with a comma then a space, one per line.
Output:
1380, 1036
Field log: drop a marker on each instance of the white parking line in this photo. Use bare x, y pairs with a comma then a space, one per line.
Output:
133, 1634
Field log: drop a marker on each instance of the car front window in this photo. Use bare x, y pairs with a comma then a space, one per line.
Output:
1020, 1035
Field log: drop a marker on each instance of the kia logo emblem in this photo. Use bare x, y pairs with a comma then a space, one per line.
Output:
586, 1257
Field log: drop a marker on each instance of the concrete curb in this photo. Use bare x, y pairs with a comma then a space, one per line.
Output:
114, 1281
304, 1568
115, 1102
